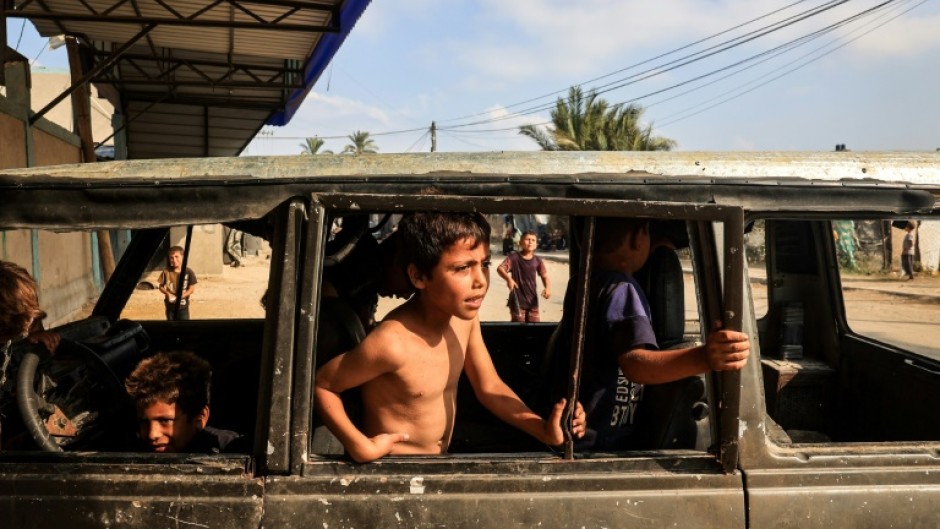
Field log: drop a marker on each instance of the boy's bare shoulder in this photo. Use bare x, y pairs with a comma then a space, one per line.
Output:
387, 343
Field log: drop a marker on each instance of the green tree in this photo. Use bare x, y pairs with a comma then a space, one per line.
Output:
585, 122
312, 146
361, 143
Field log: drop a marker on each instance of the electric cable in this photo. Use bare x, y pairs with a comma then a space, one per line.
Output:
787, 72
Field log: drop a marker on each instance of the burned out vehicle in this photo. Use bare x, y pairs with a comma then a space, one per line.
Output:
832, 423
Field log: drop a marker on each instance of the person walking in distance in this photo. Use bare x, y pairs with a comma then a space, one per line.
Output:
519, 270
907, 252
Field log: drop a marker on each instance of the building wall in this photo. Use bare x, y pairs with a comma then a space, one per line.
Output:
13, 140
51, 149
64, 264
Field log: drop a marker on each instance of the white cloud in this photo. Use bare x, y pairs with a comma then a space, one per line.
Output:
902, 37
565, 39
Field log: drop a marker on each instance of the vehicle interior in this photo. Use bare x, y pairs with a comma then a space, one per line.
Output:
818, 389
533, 358
128, 324
850, 378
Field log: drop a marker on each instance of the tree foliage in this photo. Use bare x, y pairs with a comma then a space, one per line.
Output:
585, 122
312, 146
361, 143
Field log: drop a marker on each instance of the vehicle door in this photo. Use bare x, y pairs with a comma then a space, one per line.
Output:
110, 484
846, 432
533, 488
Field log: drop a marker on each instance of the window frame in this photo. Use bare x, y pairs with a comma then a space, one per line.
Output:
731, 264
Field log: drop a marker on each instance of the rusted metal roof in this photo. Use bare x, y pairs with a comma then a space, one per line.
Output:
145, 193
199, 77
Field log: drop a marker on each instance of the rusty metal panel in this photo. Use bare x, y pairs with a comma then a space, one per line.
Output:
158, 495
861, 498
485, 492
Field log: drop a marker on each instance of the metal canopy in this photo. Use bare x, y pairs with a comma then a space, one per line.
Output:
196, 78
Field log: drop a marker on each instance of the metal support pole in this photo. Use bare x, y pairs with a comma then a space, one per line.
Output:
84, 79
81, 112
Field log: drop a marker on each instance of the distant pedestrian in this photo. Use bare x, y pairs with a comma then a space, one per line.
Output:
907, 252
520, 271
169, 281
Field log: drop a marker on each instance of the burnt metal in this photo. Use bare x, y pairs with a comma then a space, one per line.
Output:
305, 360
729, 401
274, 426
576, 357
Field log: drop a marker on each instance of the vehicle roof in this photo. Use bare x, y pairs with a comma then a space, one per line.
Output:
218, 189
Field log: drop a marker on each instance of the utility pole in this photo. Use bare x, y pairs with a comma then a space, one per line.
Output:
433, 136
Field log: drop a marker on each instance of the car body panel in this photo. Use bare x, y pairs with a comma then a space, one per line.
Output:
752, 477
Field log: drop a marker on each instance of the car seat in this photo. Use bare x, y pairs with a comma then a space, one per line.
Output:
674, 414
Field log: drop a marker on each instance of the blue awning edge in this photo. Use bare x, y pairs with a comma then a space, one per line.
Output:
320, 59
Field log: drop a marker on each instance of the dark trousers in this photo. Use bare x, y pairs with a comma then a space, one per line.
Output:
183, 313
907, 265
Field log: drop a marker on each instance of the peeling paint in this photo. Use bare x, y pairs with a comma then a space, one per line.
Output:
417, 485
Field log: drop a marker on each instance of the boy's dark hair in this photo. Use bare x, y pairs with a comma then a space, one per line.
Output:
177, 249
19, 301
178, 377
425, 235
610, 232
529, 232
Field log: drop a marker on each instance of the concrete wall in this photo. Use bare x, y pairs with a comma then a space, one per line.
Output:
205, 257
64, 264
12, 134
928, 241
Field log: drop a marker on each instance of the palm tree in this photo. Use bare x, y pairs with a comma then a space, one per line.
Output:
312, 146
584, 122
361, 143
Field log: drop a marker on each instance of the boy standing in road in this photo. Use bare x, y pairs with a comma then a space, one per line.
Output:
169, 281
519, 270
408, 367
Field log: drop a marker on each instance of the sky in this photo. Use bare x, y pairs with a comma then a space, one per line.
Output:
712, 75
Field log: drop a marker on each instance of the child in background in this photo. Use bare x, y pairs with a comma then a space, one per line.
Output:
169, 279
907, 252
520, 270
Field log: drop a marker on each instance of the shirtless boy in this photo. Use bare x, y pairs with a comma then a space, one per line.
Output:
408, 367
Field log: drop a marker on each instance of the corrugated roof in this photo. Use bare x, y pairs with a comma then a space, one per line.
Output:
199, 77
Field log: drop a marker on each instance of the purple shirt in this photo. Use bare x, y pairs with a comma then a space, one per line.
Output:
524, 272
618, 321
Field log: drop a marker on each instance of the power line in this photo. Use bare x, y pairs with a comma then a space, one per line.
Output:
787, 72
20, 38
420, 138
638, 64
678, 63
689, 59
770, 54
758, 63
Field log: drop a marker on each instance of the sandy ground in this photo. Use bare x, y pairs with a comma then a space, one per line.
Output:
234, 294
906, 313
237, 293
